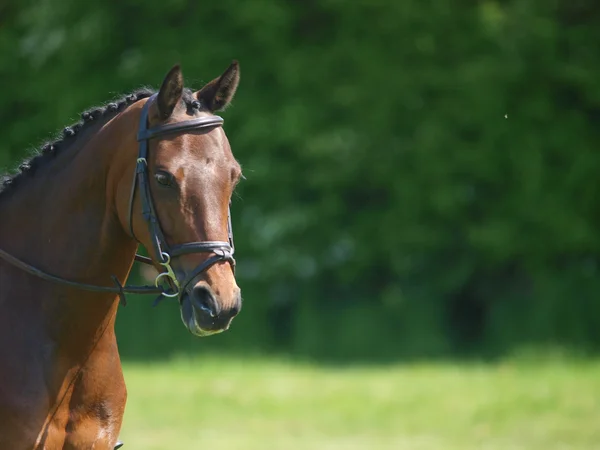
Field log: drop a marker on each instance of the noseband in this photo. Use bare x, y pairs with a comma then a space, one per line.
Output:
218, 250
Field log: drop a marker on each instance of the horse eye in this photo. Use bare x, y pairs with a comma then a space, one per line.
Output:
164, 179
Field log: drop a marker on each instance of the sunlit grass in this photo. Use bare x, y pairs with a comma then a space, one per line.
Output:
265, 404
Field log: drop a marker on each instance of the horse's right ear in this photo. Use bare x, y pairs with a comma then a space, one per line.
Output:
170, 92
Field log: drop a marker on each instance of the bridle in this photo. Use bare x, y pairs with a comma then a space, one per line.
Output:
221, 251
218, 250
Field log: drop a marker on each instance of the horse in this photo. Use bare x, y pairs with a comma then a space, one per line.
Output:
153, 169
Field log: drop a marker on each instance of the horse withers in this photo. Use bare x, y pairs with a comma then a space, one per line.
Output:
154, 169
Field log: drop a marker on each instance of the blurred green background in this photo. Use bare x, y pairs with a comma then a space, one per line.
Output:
422, 181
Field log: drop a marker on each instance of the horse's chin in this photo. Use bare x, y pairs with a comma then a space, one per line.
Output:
189, 319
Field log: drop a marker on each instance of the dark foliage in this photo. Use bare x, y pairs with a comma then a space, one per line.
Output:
422, 176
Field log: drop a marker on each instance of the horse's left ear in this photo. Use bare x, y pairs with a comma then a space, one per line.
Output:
217, 94
170, 92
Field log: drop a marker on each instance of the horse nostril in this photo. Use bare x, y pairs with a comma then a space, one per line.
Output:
235, 309
204, 300
237, 306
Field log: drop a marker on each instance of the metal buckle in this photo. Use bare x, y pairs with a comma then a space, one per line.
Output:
169, 274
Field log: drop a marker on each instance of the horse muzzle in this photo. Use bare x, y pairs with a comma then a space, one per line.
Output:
204, 313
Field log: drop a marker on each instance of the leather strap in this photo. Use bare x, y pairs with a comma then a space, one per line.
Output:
193, 124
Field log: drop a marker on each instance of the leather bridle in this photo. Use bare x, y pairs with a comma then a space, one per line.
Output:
218, 250
221, 251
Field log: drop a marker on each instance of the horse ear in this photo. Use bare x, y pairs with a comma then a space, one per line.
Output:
170, 92
217, 94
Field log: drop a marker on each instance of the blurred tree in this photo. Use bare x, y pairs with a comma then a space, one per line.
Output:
422, 176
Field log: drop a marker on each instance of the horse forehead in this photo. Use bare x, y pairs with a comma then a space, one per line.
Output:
191, 147
212, 144
204, 158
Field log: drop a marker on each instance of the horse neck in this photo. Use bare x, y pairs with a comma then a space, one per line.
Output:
63, 220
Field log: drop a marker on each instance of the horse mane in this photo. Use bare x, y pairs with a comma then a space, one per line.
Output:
94, 116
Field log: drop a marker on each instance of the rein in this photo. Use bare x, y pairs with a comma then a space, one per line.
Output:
117, 289
220, 251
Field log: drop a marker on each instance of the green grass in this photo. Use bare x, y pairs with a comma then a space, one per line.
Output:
213, 403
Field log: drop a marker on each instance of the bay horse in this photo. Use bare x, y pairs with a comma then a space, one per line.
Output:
154, 169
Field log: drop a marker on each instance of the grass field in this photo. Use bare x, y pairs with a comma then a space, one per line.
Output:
212, 403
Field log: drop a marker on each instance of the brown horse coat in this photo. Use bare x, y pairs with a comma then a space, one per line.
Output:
66, 213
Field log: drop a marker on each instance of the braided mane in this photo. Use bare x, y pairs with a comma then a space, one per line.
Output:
89, 118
